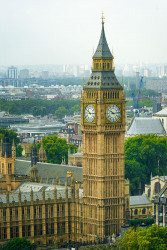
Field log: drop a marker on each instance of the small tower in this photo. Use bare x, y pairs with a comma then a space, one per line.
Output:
34, 174
7, 159
27, 150
42, 154
13, 150
34, 155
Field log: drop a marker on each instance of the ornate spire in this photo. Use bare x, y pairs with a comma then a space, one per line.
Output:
102, 18
42, 153
103, 51
13, 150
34, 155
103, 76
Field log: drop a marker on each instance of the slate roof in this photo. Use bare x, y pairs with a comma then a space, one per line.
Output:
102, 79
145, 126
49, 170
25, 189
139, 200
102, 51
162, 112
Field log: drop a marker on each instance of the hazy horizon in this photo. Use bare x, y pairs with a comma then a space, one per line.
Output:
54, 32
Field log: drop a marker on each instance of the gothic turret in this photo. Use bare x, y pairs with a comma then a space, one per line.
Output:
13, 150
6, 147
34, 155
42, 154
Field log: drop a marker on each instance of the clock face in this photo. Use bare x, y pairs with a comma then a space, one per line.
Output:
89, 113
113, 113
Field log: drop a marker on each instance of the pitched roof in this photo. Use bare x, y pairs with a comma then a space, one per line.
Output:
25, 189
162, 112
49, 170
139, 200
145, 126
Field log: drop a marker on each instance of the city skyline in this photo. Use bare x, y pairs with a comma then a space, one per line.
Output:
53, 32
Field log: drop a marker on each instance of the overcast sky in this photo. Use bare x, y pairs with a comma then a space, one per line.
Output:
67, 31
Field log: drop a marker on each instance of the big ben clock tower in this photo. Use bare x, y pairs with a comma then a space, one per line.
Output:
103, 128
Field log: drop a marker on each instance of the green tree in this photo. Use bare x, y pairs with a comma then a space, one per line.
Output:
145, 102
12, 136
18, 243
151, 238
143, 153
76, 108
56, 148
60, 112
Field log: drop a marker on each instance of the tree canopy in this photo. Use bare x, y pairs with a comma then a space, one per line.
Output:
18, 243
12, 136
151, 238
143, 155
56, 148
38, 107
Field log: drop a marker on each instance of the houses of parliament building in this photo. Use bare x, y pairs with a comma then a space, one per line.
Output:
47, 214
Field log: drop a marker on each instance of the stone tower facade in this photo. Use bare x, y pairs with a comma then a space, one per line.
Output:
7, 158
103, 128
34, 155
42, 154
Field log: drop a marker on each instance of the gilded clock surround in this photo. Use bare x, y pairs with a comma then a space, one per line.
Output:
103, 149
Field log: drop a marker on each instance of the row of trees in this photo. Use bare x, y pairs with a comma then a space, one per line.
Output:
38, 106
62, 111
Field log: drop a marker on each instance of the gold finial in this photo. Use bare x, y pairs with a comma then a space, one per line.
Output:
83, 81
112, 51
102, 18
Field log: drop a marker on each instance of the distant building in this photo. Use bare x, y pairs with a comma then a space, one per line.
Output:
160, 207
162, 115
162, 70
156, 184
156, 104
7, 121
12, 72
137, 80
76, 140
144, 126
24, 74
159, 85
140, 207
45, 74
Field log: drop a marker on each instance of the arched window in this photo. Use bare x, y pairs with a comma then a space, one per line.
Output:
144, 211
136, 212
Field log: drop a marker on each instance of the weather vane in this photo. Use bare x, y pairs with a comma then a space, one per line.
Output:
102, 17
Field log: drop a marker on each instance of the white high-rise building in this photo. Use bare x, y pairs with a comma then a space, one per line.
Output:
12, 72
